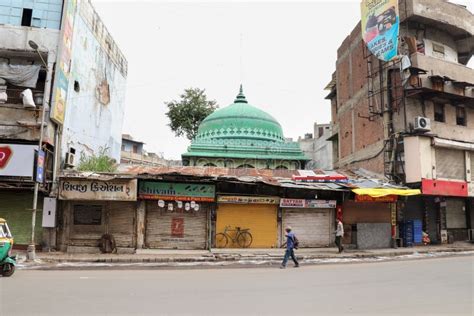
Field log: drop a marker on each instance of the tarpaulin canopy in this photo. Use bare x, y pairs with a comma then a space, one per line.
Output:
20, 75
379, 192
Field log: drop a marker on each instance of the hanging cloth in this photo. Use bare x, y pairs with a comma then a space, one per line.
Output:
20, 75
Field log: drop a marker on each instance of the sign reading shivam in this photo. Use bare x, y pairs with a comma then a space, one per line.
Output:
169, 191
380, 26
96, 190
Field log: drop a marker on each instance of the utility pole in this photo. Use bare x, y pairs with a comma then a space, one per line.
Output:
31, 251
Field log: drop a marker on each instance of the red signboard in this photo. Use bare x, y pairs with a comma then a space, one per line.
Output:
5, 154
444, 187
177, 227
368, 198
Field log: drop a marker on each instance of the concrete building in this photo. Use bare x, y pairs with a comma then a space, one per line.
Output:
412, 119
317, 147
76, 75
133, 153
243, 136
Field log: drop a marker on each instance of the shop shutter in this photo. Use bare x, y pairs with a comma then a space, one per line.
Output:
86, 235
176, 230
260, 219
455, 213
15, 207
450, 164
311, 226
121, 223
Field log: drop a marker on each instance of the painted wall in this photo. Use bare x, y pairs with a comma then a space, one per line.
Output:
96, 93
46, 13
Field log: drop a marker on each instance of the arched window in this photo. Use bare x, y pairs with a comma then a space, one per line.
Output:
281, 167
245, 166
210, 164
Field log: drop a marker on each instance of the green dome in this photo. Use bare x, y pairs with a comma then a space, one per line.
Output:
240, 120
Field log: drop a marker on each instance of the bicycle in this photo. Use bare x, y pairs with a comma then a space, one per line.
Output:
242, 237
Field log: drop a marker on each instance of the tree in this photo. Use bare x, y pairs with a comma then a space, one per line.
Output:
186, 114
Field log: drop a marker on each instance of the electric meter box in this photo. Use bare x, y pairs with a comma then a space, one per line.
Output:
49, 212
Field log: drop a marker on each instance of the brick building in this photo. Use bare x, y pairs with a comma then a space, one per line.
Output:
412, 119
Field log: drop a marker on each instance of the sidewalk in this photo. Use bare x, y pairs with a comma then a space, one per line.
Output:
220, 257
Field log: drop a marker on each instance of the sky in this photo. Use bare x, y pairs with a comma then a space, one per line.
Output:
283, 53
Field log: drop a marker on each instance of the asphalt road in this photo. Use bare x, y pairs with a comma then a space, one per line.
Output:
432, 286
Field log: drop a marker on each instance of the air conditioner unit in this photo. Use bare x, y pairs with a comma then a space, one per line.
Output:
422, 124
70, 155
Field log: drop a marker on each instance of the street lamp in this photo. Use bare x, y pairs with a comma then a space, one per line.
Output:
31, 252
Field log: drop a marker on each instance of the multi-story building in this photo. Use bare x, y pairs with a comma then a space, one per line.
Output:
61, 53
133, 153
317, 147
412, 118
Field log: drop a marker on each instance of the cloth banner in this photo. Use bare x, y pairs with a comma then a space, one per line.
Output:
384, 192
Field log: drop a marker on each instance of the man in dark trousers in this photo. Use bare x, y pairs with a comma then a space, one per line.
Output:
290, 246
339, 234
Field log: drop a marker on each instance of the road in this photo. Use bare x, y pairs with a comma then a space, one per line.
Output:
430, 286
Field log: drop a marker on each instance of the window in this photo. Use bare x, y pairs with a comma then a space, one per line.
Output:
460, 116
439, 112
26, 17
87, 215
123, 147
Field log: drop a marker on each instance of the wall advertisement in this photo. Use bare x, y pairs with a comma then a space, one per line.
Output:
61, 84
380, 26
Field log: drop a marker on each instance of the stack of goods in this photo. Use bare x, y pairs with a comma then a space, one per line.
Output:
417, 231
3, 91
407, 233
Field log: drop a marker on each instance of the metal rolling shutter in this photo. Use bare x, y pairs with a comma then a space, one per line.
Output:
455, 213
15, 207
260, 219
311, 226
450, 164
176, 230
121, 223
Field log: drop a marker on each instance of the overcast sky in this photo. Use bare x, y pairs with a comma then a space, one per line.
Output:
282, 52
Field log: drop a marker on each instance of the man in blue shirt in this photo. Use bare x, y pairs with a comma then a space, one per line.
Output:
290, 245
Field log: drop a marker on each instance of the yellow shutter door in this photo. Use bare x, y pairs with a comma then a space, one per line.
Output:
260, 219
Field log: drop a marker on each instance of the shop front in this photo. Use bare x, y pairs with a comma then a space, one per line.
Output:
17, 176
94, 209
255, 214
311, 220
368, 221
176, 214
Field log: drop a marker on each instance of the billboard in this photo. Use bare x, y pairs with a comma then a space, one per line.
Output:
380, 26
17, 160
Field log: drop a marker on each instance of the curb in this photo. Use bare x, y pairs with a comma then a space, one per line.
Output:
237, 259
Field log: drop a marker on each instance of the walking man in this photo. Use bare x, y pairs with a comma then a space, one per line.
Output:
290, 246
339, 234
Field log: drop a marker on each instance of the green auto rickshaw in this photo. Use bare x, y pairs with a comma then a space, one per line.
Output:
7, 261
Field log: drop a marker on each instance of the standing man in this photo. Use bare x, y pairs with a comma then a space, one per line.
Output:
339, 234
290, 246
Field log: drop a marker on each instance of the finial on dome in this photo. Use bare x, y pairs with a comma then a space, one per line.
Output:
240, 97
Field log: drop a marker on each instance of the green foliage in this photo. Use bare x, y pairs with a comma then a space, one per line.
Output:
97, 163
186, 114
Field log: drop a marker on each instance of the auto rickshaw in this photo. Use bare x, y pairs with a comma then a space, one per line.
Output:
7, 261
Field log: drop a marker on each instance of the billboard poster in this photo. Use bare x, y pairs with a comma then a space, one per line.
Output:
64, 61
17, 160
380, 26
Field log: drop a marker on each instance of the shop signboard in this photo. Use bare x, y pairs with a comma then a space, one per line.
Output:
169, 191
301, 203
17, 160
368, 198
40, 166
97, 190
237, 199
380, 27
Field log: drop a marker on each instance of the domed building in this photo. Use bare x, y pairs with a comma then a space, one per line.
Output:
243, 136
